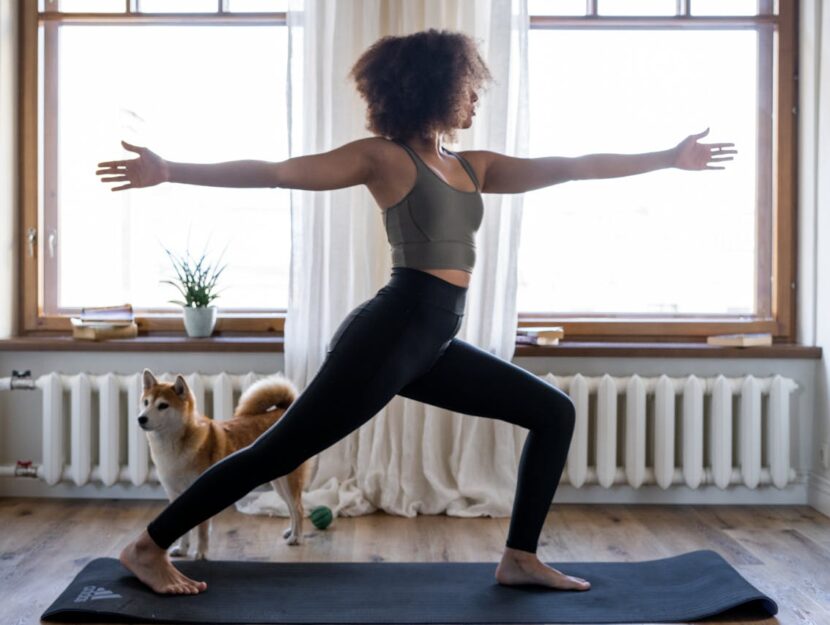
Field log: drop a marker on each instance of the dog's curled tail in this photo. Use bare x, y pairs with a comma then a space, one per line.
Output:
275, 391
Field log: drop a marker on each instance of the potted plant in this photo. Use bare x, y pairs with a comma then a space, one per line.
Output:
196, 281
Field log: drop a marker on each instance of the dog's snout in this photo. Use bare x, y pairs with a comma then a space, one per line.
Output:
142, 420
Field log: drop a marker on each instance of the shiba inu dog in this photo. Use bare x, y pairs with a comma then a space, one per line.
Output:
184, 444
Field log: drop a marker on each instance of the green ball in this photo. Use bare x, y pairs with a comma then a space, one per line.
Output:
321, 517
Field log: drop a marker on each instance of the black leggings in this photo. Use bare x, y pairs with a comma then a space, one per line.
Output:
399, 342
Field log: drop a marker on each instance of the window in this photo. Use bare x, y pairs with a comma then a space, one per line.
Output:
200, 87
669, 254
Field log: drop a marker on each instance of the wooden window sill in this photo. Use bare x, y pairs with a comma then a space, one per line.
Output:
275, 343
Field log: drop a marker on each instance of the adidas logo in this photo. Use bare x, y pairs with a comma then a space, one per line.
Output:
93, 593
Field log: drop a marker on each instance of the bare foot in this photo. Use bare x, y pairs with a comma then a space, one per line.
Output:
149, 563
523, 567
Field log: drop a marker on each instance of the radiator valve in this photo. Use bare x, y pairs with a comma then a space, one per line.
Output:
24, 468
22, 380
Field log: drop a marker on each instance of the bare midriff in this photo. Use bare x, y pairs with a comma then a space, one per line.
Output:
458, 277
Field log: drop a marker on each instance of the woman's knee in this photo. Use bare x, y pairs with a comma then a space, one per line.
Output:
560, 411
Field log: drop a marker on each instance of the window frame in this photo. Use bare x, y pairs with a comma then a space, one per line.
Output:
777, 296
776, 230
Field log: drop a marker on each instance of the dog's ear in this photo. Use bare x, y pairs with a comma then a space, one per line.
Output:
148, 379
180, 387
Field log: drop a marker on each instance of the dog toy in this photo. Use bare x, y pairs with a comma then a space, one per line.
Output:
321, 517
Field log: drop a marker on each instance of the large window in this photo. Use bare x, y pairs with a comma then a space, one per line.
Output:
203, 87
668, 255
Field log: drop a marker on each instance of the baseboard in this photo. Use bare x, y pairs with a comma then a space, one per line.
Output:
818, 492
794, 494
31, 487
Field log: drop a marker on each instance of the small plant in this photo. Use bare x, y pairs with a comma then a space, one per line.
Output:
196, 280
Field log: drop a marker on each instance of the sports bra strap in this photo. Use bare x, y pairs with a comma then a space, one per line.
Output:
420, 162
410, 151
467, 167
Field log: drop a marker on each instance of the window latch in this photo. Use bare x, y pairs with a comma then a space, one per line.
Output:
31, 237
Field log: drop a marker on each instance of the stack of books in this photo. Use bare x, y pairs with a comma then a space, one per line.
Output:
539, 335
740, 340
104, 322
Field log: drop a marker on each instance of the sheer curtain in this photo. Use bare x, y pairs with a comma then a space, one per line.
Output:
411, 457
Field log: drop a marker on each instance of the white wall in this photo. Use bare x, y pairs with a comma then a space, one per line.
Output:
814, 226
8, 182
20, 414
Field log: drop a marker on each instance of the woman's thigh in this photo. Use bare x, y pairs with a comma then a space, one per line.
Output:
470, 380
377, 349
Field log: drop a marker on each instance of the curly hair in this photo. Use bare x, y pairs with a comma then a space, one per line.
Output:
417, 84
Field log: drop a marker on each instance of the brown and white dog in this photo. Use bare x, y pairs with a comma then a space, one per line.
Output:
184, 444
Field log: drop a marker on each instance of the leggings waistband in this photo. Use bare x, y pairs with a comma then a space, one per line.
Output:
427, 287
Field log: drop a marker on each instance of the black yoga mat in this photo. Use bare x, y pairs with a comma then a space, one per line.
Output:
686, 587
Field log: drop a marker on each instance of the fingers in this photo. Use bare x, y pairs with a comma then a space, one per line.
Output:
713, 167
701, 134
112, 163
130, 186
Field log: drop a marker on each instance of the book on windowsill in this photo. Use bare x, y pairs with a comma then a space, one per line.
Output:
121, 315
101, 332
740, 340
539, 335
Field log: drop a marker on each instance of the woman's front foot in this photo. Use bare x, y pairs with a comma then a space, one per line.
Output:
150, 563
524, 567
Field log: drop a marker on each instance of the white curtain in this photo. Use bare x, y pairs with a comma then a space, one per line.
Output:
411, 457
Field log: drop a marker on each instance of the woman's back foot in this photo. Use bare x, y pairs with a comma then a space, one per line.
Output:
144, 559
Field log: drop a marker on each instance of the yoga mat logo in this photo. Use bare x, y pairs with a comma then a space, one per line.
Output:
92, 593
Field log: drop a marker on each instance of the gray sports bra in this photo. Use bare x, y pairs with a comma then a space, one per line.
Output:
434, 226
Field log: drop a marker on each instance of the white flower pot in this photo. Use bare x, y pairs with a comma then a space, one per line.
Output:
199, 322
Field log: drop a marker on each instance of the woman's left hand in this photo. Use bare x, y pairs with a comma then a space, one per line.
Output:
689, 154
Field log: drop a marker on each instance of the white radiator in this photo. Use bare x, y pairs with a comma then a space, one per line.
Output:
762, 436
648, 432
117, 398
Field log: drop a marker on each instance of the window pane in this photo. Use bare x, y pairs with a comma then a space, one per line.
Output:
92, 6
178, 6
636, 7
724, 7
199, 94
556, 7
667, 241
260, 6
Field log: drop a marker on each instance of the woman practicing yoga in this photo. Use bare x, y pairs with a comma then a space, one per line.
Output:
419, 89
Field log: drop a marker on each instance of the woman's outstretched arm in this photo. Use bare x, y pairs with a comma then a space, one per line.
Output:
350, 164
507, 174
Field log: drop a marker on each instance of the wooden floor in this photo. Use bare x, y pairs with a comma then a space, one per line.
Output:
782, 550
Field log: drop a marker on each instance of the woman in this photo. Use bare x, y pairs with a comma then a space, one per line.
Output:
419, 89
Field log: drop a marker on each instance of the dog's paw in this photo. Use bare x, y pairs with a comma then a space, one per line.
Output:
177, 552
290, 538
200, 555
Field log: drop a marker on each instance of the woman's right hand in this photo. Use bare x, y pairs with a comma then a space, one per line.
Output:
145, 171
